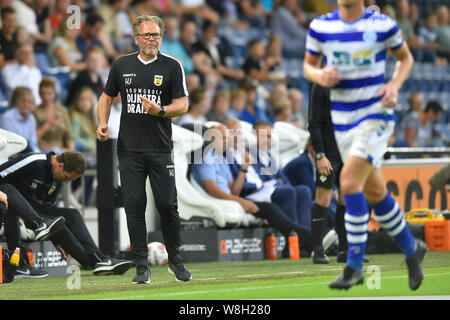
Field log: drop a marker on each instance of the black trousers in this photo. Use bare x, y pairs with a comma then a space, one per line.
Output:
278, 219
18, 206
134, 169
74, 238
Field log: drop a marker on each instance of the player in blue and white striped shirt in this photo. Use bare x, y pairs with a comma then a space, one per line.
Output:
354, 42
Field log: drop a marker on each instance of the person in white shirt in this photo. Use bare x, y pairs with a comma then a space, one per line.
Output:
22, 73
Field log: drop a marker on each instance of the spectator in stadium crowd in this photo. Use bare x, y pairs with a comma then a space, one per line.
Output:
19, 117
9, 36
83, 126
82, 121
22, 73
253, 12
203, 64
320, 7
288, 22
49, 171
52, 121
257, 66
417, 125
63, 51
402, 11
427, 35
278, 91
253, 110
302, 170
215, 177
199, 106
267, 168
58, 12
196, 8
220, 107
171, 44
89, 35
443, 32
282, 110
110, 34
44, 35
274, 50
238, 100
26, 17
414, 16
299, 114
90, 77
220, 51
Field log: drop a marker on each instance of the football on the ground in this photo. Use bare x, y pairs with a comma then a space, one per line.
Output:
157, 254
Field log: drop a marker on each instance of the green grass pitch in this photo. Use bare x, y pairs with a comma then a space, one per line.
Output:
385, 276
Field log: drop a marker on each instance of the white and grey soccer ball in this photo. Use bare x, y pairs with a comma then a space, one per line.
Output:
157, 254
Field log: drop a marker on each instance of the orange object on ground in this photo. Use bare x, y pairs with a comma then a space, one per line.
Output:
437, 235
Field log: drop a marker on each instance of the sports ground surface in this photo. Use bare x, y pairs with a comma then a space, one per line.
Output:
385, 276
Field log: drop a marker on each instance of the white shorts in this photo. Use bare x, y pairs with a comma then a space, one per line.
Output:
369, 141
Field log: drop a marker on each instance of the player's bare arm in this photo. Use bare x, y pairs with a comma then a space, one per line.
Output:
103, 112
405, 62
176, 108
327, 77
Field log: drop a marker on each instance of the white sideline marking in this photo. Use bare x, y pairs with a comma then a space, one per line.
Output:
266, 287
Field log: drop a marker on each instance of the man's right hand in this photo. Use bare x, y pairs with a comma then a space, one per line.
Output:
249, 206
328, 77
102, 132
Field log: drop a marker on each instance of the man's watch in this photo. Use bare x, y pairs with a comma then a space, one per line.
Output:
162, 112
320, 155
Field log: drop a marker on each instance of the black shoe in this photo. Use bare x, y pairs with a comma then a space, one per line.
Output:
111, 266
342, 257
347, 278
46, 229
27, 271
180, 272
142, 275
319, 256
414, 264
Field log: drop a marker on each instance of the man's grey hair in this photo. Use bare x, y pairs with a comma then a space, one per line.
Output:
140, 19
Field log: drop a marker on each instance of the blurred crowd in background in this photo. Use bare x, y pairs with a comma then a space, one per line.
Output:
242, 59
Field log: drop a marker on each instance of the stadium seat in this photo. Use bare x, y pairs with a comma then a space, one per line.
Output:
10, 144
290, 141
193, 201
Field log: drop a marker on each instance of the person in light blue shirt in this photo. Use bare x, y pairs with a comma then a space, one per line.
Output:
172, 46
19, 118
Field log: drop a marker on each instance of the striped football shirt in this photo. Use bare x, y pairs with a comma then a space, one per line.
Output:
358, 50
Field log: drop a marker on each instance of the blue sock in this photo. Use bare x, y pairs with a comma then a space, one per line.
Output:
356, 219
389, 214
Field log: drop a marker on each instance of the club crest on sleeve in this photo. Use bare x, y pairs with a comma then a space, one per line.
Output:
157, 80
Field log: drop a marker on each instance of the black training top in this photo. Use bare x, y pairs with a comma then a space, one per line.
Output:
320, 124
31, 174
160, 80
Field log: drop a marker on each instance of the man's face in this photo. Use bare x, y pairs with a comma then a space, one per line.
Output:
25, 104
24, 54
149, 47
264, 137
9, 23
63, 176
234, 134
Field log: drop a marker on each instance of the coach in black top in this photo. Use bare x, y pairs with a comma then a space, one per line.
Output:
153, 90
329, 165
